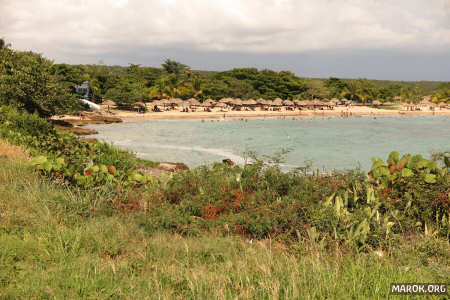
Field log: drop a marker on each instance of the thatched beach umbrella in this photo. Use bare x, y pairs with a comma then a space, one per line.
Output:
220, 104
237, 102
175, 102
109, 103
331, 104
184, 103
164, 102
261, 101
209, 103
194, 102
345, 101
426, 98
335, 101
425, 102
139, 105
224, 100
442, 105
324, 102
277, 102
303, 103
387, 103
376, 103
249, 102
288, 103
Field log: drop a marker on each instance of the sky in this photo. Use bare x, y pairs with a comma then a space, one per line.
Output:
377, 39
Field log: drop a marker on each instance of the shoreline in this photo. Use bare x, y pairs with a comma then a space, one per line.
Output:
131, 116
134, 117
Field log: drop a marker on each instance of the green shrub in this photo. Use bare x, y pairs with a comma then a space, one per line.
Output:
64, 156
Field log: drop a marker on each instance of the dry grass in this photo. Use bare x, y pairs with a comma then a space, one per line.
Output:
12, 152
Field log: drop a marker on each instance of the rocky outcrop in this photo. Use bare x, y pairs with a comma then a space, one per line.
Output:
228, 161
77, 130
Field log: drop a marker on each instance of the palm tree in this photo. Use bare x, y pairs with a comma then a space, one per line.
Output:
351, 90
196, 86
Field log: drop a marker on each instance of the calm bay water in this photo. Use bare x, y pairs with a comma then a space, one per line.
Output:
331, 143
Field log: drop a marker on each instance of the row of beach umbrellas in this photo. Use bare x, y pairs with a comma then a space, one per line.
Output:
259, 102
250, 102
425, 103
234, 102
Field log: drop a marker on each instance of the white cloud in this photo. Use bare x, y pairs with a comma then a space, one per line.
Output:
93, 26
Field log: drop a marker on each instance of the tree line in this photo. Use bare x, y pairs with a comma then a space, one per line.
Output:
176, 80
32, 82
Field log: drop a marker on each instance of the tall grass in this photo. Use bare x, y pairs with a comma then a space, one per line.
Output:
60, 243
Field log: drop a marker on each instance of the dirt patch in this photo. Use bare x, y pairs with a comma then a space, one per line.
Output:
172, 167
12, 152
164, 168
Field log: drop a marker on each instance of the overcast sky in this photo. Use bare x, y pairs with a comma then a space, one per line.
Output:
380, 39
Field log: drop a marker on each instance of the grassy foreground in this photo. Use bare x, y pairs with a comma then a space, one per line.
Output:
60, 243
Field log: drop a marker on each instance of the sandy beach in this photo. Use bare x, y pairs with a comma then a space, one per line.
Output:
131, 116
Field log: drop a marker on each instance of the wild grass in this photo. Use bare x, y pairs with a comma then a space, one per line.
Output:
12, 152
61, 243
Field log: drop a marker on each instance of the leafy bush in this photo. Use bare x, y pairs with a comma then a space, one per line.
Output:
349, 208
27, 83
415, 185
64, 156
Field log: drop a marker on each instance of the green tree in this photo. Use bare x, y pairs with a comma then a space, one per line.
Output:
442, 94
316, 89
128, 92
26, 82
335, 85
174, 67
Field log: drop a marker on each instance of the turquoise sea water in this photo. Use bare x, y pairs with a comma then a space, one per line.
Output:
332, 142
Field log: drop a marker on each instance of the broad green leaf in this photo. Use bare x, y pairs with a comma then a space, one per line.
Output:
407, 172
430, 178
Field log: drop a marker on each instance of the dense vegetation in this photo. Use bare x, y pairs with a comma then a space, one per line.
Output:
63, 243
65, 157
79, 219
26, 82
136, 83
